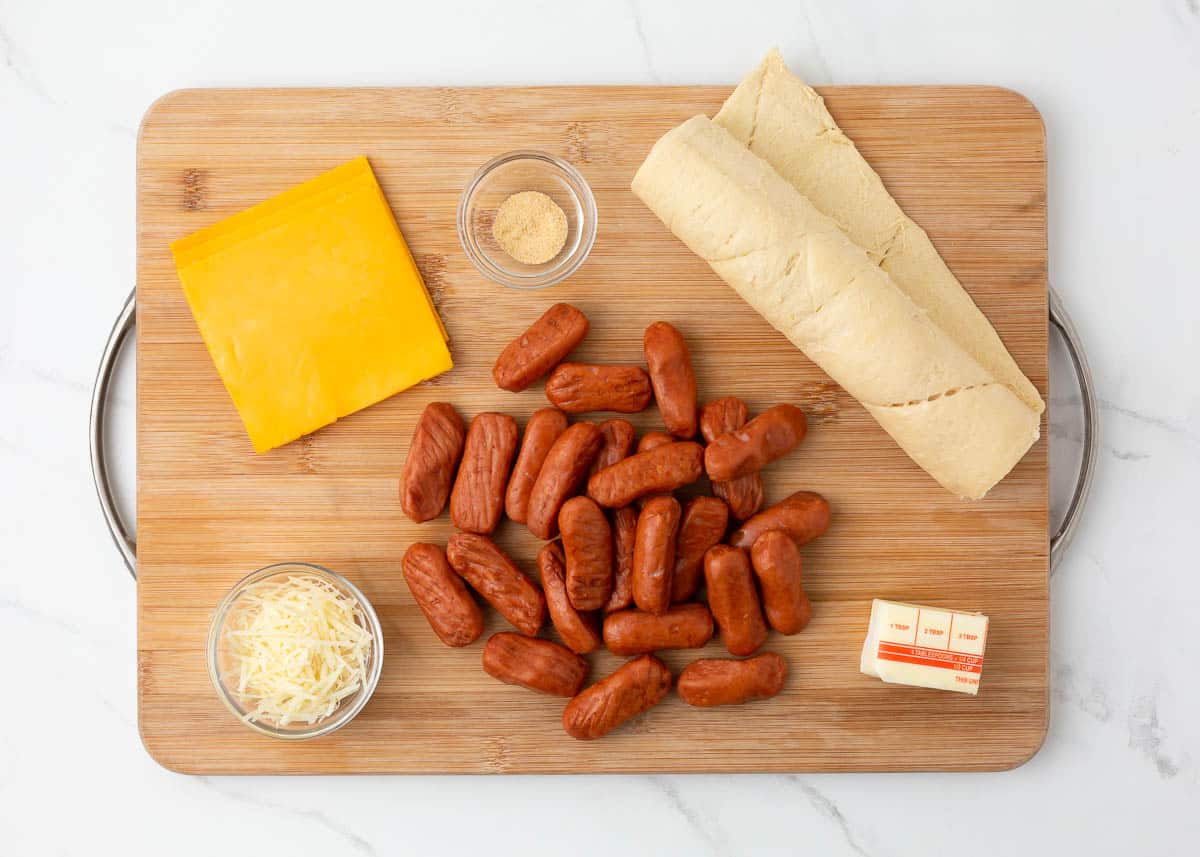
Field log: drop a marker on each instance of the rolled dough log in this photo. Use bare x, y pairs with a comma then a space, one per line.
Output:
784, 121
797, 268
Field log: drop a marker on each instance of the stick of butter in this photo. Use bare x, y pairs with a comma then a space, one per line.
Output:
925, 646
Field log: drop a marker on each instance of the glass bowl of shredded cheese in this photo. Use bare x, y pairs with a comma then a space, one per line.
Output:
295, 650
527, 219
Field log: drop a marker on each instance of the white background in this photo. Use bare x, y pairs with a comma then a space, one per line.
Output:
1119, 86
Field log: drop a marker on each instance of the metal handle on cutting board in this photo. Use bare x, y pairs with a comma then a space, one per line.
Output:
127, 545
121, 329
1061, 539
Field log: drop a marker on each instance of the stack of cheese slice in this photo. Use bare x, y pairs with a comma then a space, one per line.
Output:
785, 210
311, 305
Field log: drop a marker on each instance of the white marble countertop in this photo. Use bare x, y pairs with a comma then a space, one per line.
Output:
1119, 86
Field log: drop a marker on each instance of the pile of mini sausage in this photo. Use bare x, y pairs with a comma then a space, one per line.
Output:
625, 546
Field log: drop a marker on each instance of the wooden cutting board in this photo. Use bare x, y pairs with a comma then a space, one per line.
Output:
967, 163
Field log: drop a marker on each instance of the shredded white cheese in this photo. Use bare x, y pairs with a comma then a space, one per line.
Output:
297, 647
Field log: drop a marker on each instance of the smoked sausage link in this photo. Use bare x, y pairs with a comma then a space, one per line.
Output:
587, 544
733, 599
540, 348
562, 473
655, 471
491, 573
769, 436
672, 377
745, 495
654, 553
477, 500
635, 687
651, 440
804, 516
633, 632
718, 681
581, 387
543, 428
578, 632
437, 445
722, 415
702, 525
441, 595
624, 531
776, 561
540, 665
617, 435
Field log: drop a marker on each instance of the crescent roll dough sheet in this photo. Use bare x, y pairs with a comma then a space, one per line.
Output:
798, 269
784, 121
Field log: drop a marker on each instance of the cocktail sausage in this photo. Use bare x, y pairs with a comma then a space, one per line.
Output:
540, 665
654, 553
776, 561
632, 632
656, 471
672, 378
543, 428
733, 599
804, 516
717, 681
587, 545
769, 436
433, 455
635, 687
562, 473
540, 348
477, 500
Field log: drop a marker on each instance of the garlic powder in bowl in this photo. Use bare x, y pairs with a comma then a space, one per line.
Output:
527, 219
530, 227
295, 650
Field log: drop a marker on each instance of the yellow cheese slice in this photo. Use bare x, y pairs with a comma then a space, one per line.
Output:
311, 305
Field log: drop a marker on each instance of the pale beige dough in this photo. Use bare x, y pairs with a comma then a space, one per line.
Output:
795, 266
784, 121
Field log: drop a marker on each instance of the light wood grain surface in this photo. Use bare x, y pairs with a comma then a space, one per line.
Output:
967, 163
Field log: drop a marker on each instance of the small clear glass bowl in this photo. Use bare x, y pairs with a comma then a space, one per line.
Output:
511, 173
218, 655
